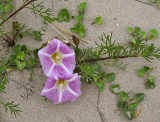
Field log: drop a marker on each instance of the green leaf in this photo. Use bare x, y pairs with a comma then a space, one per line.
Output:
130, 30
142, 33
73, 30
139, 97
37, 35
133, 40
129, 114
8, 7
79, 28
132, 106
153, 1
110, 77
35, 53
99, 20
82, 5
122, 105
123, 96
113, 87
12, 58
24, 48
154, 32
16, 49
101, 85
141, 72
31, 62
151, 78
146, 68
63, 15
150, 85
20, 65
21, 55
79, 18
137, 30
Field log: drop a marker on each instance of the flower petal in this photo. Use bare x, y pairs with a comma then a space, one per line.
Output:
51, 48
46, 63
75, 85
52, 95
60, 70
64, 49
69, 62
49, 90
68, 96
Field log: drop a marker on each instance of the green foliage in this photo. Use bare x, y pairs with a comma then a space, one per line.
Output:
39, 9
63, 15
14, 108
82, 6
132, 106
37, 35
127, 106
21, 57
139, 97
141, 72
79, 27
138, 35
5, 7
110, 77
90, 72
123, 96
98, 20
139, 49
157, 2
3, 78
113, 87
153, 34
116, 63
150, 82
19, 31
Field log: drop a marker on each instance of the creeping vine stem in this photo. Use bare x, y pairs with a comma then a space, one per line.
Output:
29, 2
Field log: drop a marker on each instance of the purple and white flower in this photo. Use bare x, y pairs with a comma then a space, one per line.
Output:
57, 59
62, 88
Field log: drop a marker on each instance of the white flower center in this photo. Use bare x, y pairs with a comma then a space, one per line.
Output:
56, 57
61, 84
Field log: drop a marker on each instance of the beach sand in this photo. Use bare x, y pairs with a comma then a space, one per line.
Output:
117, 16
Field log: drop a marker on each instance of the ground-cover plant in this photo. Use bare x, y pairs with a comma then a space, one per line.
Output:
79, 27
87, 64
98, 20
5, 7
157, 2
4, 68
150, 84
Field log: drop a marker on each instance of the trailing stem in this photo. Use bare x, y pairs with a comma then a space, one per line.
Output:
91, 60
29, 2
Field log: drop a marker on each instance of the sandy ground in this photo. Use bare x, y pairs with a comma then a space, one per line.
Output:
117, 15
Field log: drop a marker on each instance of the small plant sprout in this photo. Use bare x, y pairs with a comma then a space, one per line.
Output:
150, 84
157, 2
63, 15
79, 27
98, 20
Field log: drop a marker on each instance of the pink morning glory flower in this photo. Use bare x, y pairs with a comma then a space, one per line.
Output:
62, 88
57, 59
